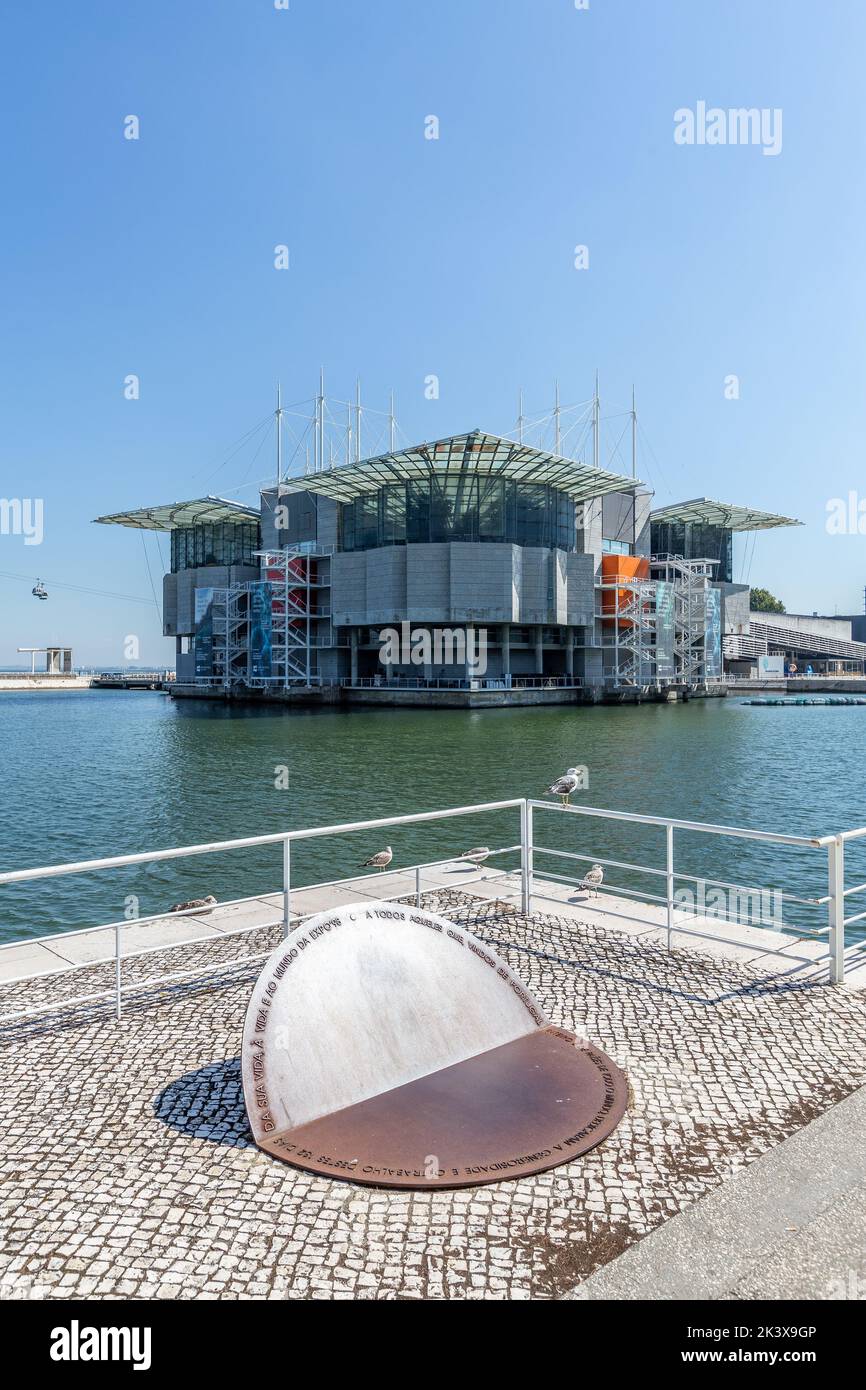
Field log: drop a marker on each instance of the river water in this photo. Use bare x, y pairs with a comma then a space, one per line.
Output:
94, 773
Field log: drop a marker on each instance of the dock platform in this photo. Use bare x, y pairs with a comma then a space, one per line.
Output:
158, 1191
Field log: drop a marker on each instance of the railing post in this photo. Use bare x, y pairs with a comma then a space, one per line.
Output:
669, 879
117, 982
418, 887
287, 886
525, 857
836, 908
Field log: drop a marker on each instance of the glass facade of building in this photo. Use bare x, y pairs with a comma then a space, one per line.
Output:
696, 541
220, 543
459, 507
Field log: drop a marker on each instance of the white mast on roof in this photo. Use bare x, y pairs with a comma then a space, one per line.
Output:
596, 421
633, 435
520, 416
392, 426
557, 431
321, 414
358, 420
279, 419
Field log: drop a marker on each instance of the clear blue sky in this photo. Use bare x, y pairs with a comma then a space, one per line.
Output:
411, 256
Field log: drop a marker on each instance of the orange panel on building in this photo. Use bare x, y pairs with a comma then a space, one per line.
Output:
614, 567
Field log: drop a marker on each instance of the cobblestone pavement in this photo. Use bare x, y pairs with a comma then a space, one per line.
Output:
128, 1169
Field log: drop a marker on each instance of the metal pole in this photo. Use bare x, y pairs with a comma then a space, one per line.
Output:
358, 420
596, 423
836, 909
633, 436
279, 415
321, 413
557, 426
525, 858
117, 970
392, 426
287, 886
669, 879
418, 887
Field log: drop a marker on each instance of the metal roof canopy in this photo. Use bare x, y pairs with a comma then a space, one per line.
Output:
175, 515
464, 453
725, 514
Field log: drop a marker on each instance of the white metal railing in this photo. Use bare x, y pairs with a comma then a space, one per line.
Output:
731, 677
286, 918
383, 682
528, 848
833, 899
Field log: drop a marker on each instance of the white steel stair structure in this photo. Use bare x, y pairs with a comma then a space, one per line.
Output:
298, 629
690, 579
636, 634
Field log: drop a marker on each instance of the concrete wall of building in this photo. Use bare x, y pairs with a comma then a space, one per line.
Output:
642, 508
839, 628
460, 582
589, 530
386, 581
178, 593
483, 587
618, 517
333, 663
426, 596
184, 664
580, 599
735, 607
308, 517
589, 664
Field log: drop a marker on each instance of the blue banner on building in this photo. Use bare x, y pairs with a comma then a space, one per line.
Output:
203, 633
261, 630
713, 635
665, 662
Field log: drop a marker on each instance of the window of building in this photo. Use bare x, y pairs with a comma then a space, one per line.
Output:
459, 506
617, 548
219, 543
696, 541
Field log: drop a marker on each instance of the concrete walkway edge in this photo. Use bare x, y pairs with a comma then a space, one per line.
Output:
791, 1225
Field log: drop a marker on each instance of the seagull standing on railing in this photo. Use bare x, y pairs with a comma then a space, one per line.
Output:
566, 784
380, 860
593, 878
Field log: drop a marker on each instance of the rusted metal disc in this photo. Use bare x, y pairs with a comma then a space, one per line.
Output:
385, 1046
518, 1109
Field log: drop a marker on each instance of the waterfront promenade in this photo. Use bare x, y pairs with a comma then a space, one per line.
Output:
129, 1170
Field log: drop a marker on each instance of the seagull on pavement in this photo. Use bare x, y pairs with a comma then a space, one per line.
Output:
593, 878
380, 860
476, 856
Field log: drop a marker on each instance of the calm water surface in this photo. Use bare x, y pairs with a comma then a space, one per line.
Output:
94, 773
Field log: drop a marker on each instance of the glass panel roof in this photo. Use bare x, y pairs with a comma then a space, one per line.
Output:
725, 514
175, 515
476, 453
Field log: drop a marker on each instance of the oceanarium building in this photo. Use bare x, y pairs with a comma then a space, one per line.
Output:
473, 563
